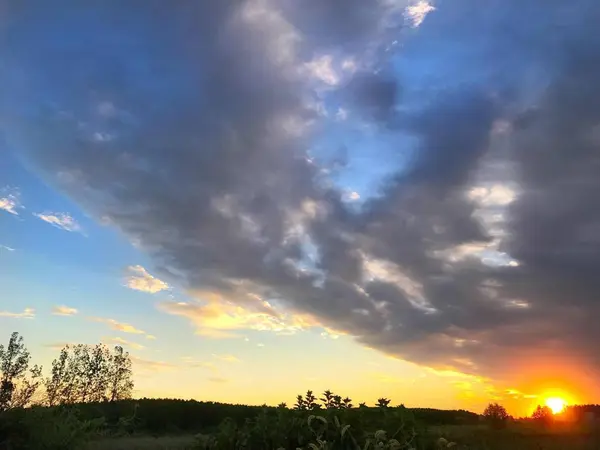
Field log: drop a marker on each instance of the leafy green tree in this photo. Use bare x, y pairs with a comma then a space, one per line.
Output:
496, 415
18, 382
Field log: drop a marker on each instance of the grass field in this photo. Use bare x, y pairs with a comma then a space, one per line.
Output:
480, 437
144, 443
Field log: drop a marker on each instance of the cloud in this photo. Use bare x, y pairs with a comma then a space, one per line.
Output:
58, 345
140, 280
61, 221
123, 342
149, 365
28, 313
218, 380
121, 326
64, 311
10, 201
215, 172
8, 249
227, 358
418, 11
216, 317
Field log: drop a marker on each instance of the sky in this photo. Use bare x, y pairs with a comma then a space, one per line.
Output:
256, 197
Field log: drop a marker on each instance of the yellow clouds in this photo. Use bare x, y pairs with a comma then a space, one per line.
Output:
148, 365
227, 358
219, 318
121, 326
123, 343
140, 280
27, 313
63, 310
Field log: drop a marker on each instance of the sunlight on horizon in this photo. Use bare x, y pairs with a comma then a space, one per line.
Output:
556, 404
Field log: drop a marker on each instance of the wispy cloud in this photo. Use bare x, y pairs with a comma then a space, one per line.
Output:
121, 326
140, 280
7, 248
62, 221
417, 12
58, 345
227, 358
151, 365
192, 362
28, 313
218, 380
10, 201
220, 319
63, 310
123, 342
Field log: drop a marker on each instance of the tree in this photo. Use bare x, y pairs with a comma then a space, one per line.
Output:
86, 374
18, 382
327, 399
542, 415
56, 384
383, 402
496, 415
120, 383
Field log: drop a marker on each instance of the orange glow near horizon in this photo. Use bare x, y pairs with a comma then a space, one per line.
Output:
556, 404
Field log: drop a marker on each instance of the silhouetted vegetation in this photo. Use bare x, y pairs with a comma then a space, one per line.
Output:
496, 416
85, 404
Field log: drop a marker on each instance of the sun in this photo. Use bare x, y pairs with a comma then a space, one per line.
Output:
556, 404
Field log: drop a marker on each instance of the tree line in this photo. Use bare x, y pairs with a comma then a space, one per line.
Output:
80, 374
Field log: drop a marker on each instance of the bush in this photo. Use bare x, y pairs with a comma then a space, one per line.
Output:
46, 429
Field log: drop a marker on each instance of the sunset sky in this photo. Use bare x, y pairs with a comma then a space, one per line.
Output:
259, 197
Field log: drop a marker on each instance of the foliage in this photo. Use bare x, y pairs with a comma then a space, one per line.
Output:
337, 425
18, 382
84, 374
495, 415
46, 428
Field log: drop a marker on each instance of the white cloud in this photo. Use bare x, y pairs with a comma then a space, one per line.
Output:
140, 280
63, 310
10, 202
494, 195
349, 65
28, 313
322, 69
417, 12
269, 26
341, 114
351, 196
61, 221
8, 249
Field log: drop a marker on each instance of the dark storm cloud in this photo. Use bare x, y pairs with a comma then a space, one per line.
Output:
186, 128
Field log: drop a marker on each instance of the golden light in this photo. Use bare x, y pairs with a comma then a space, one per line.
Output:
556, 404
